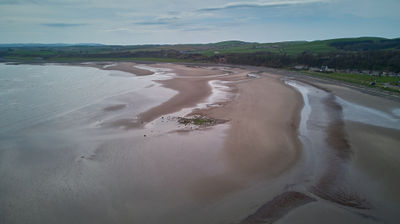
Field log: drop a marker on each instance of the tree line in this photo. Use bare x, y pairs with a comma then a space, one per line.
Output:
379, 60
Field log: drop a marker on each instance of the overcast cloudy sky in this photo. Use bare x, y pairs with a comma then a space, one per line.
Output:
197, 21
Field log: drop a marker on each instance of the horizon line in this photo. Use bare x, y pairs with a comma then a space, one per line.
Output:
193, 43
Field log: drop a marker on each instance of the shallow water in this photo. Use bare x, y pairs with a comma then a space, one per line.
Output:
51, 135
338, 167
366, 115
32, 94
60, 164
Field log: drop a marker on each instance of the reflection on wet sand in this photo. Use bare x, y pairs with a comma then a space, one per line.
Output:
284, 152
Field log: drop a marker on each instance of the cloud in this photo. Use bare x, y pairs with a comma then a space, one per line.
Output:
117, 30
199, 29
150, 23
63, 25
37, 2
14, 2
264, 4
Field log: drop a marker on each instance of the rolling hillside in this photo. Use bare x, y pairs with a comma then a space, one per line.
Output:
370, 53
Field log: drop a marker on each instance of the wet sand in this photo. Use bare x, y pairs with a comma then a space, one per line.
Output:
262, 114
185, 98
350, 169
262, 141
282, 154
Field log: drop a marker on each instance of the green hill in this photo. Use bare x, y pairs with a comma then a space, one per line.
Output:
371, 53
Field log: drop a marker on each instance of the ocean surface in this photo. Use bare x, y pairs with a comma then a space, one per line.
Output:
61, 163
51, 118
35, 94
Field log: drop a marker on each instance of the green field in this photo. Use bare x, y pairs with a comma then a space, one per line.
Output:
291, 48
362, 79
366, 53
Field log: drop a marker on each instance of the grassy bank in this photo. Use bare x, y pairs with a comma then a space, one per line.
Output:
391, 83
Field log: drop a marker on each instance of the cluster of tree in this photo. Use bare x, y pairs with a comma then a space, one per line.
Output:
370, 60
367, 45
257, 59
387, 60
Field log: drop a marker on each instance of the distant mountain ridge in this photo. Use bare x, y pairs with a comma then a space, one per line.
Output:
237, 46
363, 53
48, 45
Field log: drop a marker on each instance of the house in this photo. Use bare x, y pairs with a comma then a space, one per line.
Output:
300, 67
323, 68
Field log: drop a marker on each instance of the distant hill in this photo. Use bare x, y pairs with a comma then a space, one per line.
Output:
319, 46
367, 53
48, 45
235, 46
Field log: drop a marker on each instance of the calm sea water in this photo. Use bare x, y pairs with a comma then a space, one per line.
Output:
50, 128
34, 94
60, 164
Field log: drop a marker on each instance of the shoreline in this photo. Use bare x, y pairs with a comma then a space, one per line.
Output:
279, 71
257, 147
266, 155
192, 86
337, 183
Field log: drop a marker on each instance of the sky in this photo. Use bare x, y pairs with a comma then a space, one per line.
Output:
130, 22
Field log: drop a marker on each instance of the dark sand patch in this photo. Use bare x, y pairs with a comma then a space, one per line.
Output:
115, 107
124, 123
330, 186
336, 135
278, 207
342, 196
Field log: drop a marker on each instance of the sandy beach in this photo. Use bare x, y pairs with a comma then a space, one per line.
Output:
261, 143
268, 148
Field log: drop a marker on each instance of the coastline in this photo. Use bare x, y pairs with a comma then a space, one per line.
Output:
262, 113
348, 159
266, 154
243, 166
